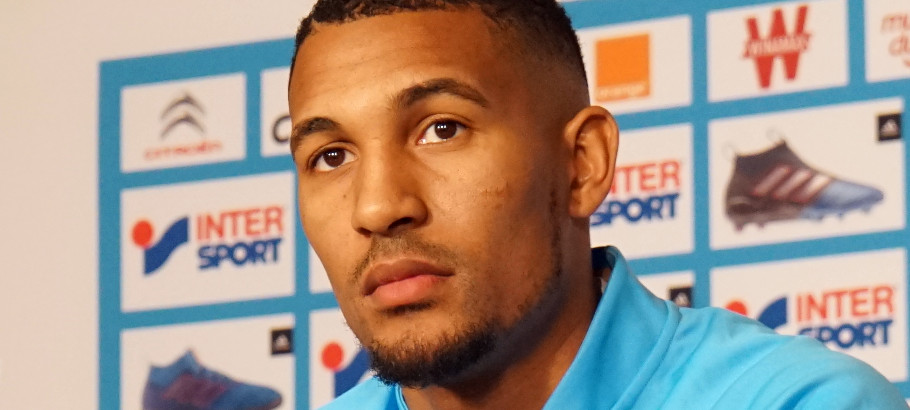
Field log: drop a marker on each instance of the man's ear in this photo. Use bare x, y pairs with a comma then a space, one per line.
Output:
595, 138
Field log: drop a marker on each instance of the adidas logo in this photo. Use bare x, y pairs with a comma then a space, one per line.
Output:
889, 127
682, 300
681, 296
282, 341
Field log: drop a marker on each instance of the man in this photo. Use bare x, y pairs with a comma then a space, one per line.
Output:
448, 162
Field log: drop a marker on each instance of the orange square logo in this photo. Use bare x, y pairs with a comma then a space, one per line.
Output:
623, 68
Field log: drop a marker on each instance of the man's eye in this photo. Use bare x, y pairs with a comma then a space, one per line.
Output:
441, 131
331, 159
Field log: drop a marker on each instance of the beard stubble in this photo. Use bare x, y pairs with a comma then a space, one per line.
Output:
413, 360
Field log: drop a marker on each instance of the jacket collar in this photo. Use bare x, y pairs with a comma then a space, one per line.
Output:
625, 343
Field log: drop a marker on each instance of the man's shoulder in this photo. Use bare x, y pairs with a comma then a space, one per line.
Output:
721, 334
802, 370
724, 332
755, 365
369, 395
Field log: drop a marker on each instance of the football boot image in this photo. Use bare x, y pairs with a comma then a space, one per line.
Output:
776, 185
187, 385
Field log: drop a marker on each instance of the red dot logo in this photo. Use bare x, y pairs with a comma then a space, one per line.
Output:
142, 233
332, 354
738, 307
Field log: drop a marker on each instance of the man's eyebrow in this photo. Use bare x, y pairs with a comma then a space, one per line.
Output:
403, 99
450, 86
308, 127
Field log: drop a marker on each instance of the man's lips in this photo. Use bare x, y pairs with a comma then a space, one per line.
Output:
401, 282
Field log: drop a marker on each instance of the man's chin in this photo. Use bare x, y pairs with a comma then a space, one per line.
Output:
420, 361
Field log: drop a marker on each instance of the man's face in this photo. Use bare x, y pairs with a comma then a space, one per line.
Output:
431, 184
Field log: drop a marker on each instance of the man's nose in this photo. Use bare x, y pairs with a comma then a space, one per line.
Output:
388, 197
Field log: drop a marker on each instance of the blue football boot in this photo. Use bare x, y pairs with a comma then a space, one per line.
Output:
187, 385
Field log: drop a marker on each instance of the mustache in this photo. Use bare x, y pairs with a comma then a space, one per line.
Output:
405, 244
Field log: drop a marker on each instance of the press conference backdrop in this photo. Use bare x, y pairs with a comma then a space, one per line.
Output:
762, 169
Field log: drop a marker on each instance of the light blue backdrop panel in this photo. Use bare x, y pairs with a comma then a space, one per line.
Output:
251, 59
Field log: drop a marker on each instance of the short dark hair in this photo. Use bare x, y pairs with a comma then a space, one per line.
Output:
541, 25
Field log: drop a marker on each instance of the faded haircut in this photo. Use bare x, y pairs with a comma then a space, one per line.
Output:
541, 28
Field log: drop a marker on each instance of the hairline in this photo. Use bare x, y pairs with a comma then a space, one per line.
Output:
515, 36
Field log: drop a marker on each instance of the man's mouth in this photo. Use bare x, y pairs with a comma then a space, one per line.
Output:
402, 282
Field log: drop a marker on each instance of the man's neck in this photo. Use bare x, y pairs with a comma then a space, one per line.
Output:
525, 383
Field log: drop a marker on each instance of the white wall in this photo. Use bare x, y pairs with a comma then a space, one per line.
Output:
50, 52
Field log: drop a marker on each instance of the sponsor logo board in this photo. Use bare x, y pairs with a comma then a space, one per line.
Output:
337, 362
648, 211
236, 348
183, 123
673, 286
632, 78
276, 121
805, 174
776, 48
854, 303
639, 66
887, 40
216, 241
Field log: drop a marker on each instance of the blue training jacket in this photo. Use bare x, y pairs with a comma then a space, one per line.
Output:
642, 352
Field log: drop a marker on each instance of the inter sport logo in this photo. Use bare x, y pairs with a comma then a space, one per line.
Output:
239, 237
854, 303
642, 192
155, 254
337, 361
774, 315
344, 377
858, 316
779, 43
649, 207
217, 241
